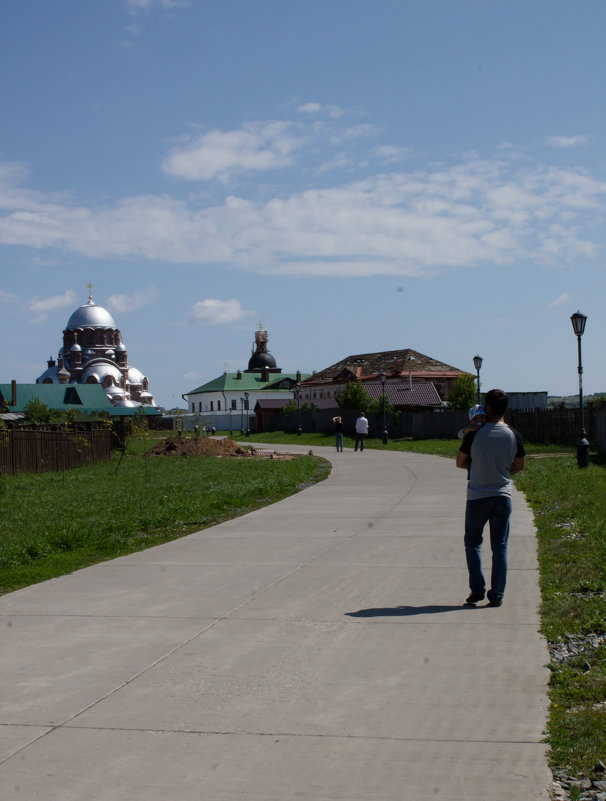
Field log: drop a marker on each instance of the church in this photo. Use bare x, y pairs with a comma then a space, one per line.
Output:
239, 392
93, 353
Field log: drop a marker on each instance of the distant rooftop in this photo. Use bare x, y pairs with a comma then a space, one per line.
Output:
393, 362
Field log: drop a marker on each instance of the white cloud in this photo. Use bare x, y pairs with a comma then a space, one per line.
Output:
133, 6
310, 108
317, 109
125, 303
478, 211
8, 297
559, 301
218, 154
566, 141
217, 312
42, 306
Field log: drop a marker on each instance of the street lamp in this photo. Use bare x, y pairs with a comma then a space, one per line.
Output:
477, 363
383, 378
241, 415
246, 394
578, 321
298, 389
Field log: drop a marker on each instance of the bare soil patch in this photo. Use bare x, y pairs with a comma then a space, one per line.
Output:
206, 446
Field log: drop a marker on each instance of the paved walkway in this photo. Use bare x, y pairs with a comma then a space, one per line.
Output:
315, 649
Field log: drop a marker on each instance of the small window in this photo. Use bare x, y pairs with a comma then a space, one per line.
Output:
211, 406
234, 405
193, 407
218, 406
200, 406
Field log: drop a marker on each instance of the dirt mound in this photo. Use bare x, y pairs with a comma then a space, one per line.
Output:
199, 446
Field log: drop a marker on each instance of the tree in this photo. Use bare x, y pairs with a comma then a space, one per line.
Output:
354, 396
376, 406
38, 413
464, 394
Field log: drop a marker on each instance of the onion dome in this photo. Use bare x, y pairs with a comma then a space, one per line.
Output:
135, 376
100, 370
258, 361
91, 316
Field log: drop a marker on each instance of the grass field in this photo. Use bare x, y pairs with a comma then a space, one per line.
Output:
570, 515
56, 523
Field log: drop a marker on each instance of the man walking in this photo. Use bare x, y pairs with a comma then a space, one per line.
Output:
491, 454
361, 431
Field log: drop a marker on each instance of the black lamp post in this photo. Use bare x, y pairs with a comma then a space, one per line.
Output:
383, 378
578, 321
241, 415
247, 416
298, 389
477, 363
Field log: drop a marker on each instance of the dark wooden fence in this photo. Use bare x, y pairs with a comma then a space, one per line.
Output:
37, 451
559, 426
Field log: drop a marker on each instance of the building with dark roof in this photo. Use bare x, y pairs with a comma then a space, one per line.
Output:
404, 368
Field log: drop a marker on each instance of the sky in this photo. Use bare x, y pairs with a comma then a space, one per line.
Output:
356, 176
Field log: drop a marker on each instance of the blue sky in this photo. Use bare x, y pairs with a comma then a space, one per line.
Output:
357, 176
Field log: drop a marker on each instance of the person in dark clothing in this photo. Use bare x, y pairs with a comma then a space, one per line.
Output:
338, 433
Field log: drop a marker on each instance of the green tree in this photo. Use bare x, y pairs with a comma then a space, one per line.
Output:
38, 413
376, 406
354, 396
464, 394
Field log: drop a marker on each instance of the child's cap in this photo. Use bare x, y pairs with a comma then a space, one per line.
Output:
476, 410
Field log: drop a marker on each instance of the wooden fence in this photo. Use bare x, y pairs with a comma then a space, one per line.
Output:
559, 426
36, 451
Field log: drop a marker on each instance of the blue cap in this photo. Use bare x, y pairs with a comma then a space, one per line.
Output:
476, 410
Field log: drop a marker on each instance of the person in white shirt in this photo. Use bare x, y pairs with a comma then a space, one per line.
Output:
361, 431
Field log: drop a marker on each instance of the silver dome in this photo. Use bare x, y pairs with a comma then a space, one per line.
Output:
99, 370
91, 316
126, 403
135, 376
50, 372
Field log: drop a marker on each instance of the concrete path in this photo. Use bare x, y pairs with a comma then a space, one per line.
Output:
315, 649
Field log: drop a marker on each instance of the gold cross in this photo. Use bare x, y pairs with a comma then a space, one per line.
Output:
90, 293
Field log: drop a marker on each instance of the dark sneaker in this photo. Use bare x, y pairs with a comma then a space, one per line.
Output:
474, 598
495, 602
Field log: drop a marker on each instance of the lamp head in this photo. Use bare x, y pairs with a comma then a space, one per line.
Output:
578, 321
383, 377
477, 362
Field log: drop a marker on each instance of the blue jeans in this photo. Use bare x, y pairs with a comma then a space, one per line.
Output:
495, 511
339, 439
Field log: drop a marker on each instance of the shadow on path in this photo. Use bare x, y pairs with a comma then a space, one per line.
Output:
407, 611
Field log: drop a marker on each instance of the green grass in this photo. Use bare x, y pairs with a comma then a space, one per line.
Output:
56, 523
439, 447
570, 514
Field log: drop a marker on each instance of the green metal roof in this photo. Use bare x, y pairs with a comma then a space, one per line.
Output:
84, 398
248, 381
